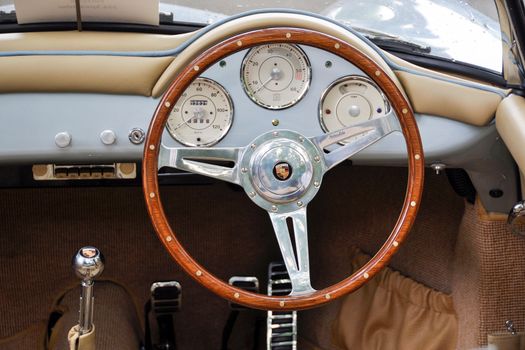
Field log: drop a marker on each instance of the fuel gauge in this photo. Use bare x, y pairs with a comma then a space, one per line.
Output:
351, 100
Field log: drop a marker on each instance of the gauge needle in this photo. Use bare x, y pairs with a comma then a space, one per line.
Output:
263, 84
184, 122
275, 74
200, 113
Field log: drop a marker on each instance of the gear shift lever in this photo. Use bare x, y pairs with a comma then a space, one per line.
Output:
88, 264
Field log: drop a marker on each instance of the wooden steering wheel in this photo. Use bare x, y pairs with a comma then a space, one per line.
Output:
255, 170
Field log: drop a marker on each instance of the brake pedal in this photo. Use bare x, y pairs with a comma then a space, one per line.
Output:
281, 326
248, 283
165, 301
166, 297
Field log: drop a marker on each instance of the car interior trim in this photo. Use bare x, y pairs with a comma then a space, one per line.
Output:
510, 122
457, 69
200, 33
479, 111
516, 11
510, 66
117, 75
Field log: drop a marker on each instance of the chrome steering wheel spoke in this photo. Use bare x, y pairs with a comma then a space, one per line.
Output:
357, 138
204, 161
297, 262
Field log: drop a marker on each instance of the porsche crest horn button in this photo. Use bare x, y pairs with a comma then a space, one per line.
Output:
88, 252
282, 171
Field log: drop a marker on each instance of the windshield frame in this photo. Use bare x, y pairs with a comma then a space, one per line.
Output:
515, 10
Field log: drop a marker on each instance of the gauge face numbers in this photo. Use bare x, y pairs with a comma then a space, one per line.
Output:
351, 100
203, 114
276, 76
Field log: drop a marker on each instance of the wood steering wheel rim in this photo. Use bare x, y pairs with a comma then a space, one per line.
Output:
408, 126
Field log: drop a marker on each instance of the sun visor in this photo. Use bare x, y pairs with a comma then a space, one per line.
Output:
114, 11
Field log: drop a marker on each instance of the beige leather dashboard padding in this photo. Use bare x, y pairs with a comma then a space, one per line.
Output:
510, 122
261, 21
394, 312
86, 41
453, 77
446, 99
111, 74
151, 75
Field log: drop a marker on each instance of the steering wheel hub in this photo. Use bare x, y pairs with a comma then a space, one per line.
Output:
280, 170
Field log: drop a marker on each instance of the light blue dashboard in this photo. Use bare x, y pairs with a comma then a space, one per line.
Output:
30, 122
33, 120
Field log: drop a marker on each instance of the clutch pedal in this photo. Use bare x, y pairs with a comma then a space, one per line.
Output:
281, 326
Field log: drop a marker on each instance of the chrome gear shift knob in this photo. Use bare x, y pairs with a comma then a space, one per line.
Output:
88, 263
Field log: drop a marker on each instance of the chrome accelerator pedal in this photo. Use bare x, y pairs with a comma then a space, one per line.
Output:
281, 327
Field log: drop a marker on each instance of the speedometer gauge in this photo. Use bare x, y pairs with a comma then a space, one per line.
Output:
203, 114
276, 76
351, 100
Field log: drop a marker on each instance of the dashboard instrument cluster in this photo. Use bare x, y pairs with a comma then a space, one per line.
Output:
203, 114
351, 100
274, 77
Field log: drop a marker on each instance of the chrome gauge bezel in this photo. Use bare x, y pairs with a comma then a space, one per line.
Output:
226, 128
337, 82
301, 94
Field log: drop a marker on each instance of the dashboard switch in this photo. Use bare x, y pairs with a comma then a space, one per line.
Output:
108, 137
63, 139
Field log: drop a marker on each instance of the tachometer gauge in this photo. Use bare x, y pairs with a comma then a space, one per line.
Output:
203, 114
276, 76
351, 100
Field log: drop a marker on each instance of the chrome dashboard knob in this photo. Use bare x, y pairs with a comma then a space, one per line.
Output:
108, 137
63, 139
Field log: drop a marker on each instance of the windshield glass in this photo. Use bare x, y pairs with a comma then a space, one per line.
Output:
464, 30
460, 30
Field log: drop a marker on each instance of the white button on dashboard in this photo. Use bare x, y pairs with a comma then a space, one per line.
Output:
354, 111
63, 139
108, 137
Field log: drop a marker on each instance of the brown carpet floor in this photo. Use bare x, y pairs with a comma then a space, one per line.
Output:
40, 229
489, 278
